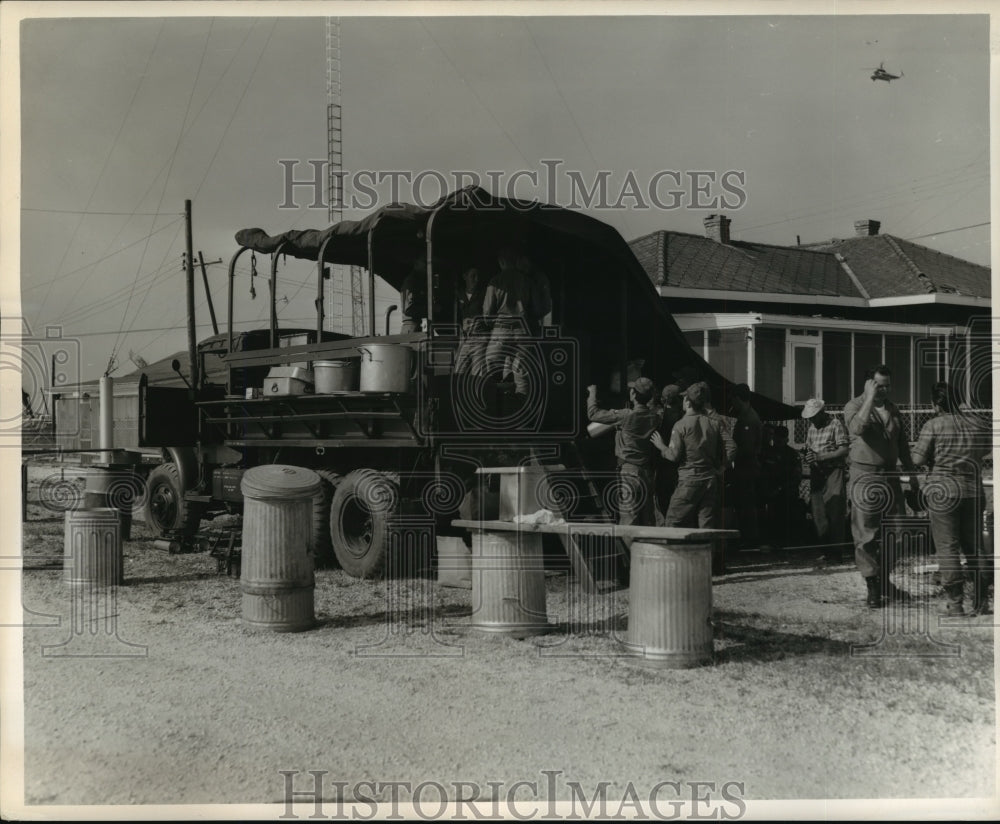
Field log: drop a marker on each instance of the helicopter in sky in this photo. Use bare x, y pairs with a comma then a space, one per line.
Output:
881, 74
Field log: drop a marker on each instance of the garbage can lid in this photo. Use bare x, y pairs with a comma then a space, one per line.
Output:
280, 481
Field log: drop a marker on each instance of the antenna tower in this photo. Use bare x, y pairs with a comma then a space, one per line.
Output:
346, 281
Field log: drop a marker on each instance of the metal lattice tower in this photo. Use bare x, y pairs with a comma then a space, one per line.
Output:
346, 281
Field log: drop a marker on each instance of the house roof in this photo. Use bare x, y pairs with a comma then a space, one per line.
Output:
889, 266
883, 266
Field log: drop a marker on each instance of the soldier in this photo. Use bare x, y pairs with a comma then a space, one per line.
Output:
472, 349
700, 448
507, 304
953, 445
633, 449
878, 444
666, 471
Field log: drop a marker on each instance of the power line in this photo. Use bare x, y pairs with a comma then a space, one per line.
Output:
149, 188
880, 200
311, 320
163, 191
100, 259
107, 157
461, 76
955, 176
236, 109
947, 231
85, 212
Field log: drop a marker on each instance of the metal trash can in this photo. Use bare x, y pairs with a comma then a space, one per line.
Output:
670, 604
92, 548
115, 488
277, 576
508, 583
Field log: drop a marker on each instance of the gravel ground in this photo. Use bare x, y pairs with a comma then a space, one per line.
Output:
201, 709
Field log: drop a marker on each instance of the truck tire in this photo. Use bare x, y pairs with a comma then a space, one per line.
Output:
166, 510
363, 501
322, 542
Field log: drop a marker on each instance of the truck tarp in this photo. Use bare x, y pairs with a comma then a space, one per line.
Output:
464, 222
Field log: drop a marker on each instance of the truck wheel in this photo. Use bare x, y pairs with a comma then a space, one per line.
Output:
364, 499
166, 510
322, 543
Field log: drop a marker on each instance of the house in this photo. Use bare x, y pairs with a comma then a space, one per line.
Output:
809, 320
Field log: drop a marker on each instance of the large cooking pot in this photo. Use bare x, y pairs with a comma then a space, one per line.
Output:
335, 376
385, 367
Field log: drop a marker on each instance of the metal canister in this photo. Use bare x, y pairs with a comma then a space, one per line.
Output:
508, 583
92, 548
277, 577
670, 604
117, 488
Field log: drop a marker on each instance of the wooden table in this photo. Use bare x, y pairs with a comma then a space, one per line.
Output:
670, 585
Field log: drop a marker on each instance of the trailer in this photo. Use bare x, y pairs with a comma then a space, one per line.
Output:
407, 441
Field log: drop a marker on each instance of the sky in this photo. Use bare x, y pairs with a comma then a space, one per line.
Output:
123, 119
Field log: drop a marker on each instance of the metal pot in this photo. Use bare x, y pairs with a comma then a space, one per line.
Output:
385, 367
335, 376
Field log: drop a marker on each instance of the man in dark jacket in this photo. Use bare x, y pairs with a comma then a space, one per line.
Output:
633, 449
700, 447
671, 411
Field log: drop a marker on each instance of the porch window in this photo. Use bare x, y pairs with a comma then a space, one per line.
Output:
803, 373
697, 340
897, 358
836, 387
930, 356
867, 353
958, 365
769, 361
727, 353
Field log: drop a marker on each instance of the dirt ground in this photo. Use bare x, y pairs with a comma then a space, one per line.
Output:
198, 708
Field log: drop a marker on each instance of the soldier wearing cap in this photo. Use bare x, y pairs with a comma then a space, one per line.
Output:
700, 447
827, 445
671, 411
636, 455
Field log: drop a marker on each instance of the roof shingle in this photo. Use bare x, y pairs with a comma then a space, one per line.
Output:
884, 265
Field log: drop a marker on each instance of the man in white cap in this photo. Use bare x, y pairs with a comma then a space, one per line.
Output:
827, 445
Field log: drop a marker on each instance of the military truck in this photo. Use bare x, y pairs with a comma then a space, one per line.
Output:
408, 437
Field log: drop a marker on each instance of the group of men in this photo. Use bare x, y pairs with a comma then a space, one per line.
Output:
497, 314
694, 442
860, 459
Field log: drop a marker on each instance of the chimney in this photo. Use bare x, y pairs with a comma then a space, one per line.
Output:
866, 228
717, 228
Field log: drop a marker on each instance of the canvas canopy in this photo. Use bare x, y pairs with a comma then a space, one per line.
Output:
458, 228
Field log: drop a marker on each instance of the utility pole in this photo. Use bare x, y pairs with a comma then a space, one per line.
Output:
208, 292
189, 267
